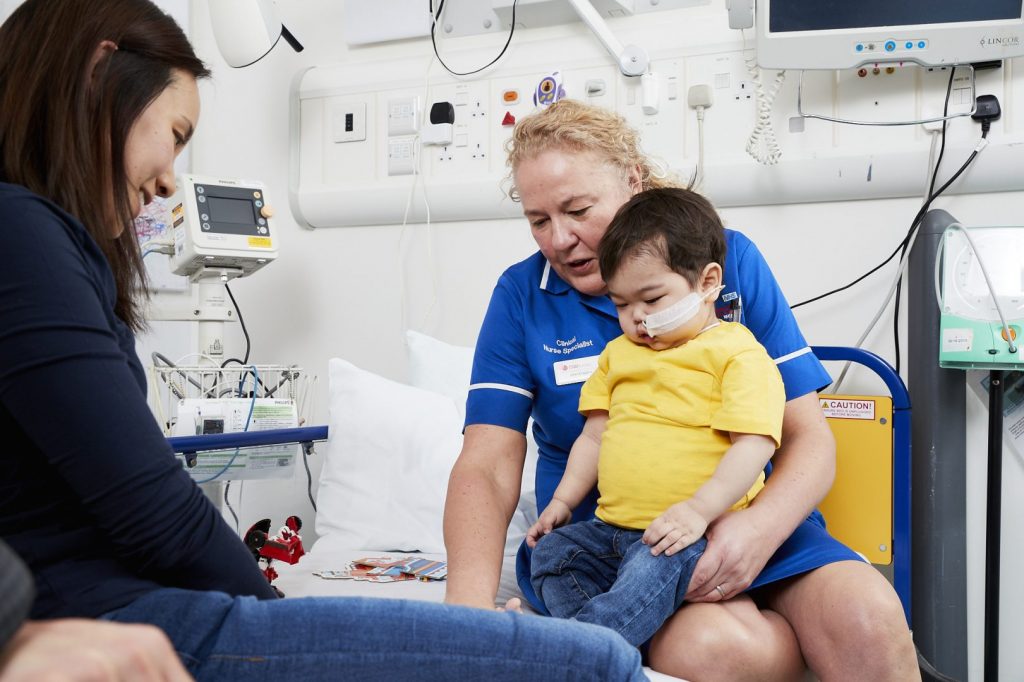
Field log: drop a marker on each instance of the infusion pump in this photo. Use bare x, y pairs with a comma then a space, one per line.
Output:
220, 225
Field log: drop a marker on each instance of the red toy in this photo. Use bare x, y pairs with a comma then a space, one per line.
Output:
285, 546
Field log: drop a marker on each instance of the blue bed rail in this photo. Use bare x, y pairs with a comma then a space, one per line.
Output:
247, 439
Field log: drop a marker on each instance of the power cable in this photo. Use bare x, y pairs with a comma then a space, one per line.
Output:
433, 40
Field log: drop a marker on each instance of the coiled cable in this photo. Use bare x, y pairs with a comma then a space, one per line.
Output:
762, 145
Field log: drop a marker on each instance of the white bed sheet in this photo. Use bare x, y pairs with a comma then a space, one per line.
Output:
298, 581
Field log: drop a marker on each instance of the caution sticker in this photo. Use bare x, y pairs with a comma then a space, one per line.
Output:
838, 408
260, 242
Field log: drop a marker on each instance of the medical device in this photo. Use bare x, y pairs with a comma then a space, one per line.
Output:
982, 298
204, 416
204, 400
679, 313
220, 224
810, 34
246, 30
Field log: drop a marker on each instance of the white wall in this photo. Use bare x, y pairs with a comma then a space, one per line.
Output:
342, 292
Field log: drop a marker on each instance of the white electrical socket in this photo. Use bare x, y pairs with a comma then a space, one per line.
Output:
403, 116
401, 156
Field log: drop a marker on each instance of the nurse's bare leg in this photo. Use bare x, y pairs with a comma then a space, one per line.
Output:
731, 640
849, 623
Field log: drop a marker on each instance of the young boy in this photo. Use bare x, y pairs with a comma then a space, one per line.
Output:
683, 413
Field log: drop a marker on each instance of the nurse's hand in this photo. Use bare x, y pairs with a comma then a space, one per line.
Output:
556, 514
735, 555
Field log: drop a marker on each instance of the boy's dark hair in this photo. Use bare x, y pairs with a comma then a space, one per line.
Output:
674, 224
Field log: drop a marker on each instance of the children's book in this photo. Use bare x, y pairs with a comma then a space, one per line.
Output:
387, 570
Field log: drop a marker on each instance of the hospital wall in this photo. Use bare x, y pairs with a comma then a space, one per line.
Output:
352, 292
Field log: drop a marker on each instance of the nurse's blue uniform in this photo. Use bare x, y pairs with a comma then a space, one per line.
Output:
539, 332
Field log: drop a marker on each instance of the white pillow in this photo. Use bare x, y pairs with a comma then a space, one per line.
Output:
440, 367
445, 369
385, 475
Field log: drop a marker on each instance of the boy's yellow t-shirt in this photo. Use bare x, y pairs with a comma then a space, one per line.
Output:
669, 417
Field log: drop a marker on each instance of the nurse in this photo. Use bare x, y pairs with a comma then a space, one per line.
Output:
773, 590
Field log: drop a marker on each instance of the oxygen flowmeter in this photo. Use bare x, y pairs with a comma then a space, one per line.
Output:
220, 224
982, 299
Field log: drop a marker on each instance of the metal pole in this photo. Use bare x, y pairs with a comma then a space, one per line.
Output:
993, 522
939, 469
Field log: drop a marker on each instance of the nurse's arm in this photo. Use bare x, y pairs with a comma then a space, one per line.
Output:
802, 470
740, 543
483, 491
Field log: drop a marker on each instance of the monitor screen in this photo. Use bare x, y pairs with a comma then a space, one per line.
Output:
838, 34
238, 211
825, 15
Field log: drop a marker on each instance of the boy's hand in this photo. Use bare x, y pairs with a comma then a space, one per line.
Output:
678, 527
556, 514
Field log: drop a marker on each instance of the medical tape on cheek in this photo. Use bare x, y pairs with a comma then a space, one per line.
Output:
674, 316
679, 313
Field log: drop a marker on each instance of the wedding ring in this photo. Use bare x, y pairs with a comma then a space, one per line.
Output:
720, 591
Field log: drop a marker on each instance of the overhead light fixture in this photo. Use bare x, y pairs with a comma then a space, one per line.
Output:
247, 30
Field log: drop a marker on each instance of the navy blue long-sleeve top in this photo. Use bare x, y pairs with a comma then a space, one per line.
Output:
91, 495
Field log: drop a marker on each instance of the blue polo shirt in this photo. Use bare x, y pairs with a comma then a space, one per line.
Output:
540, 334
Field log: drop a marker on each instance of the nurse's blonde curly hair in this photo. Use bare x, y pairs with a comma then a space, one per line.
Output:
574, 126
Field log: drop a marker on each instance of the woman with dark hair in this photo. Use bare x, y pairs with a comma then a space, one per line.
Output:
97, 99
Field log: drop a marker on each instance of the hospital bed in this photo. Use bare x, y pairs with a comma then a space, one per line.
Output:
392, 445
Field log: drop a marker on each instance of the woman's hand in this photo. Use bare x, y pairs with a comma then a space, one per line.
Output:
735, 555
556, 514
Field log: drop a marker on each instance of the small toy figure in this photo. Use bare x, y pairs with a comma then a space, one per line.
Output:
549, 90
285, 546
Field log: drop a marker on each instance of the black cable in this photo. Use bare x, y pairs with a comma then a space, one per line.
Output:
931, 195
227, 503
433, 40
906, 239
307, 450
245, 332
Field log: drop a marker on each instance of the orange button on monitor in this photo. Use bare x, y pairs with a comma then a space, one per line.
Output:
510, 96
1013, 334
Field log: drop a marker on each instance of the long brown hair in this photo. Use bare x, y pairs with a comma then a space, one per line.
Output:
65, 119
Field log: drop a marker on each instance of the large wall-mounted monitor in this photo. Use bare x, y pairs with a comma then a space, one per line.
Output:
840, 34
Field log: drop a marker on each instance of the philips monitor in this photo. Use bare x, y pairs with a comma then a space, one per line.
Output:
838, 34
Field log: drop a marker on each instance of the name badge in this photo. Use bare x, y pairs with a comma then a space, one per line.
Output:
575, 371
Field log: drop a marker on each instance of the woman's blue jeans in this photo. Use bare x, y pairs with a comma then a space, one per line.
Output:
226, 638
598, 573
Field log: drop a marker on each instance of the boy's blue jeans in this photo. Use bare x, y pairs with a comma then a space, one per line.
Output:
222, 638
598, 573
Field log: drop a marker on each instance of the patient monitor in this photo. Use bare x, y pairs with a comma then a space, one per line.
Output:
222, 225
811, 34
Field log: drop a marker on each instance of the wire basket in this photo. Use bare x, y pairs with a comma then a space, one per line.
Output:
170, 384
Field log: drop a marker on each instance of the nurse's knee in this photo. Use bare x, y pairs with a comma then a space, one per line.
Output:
734, 641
